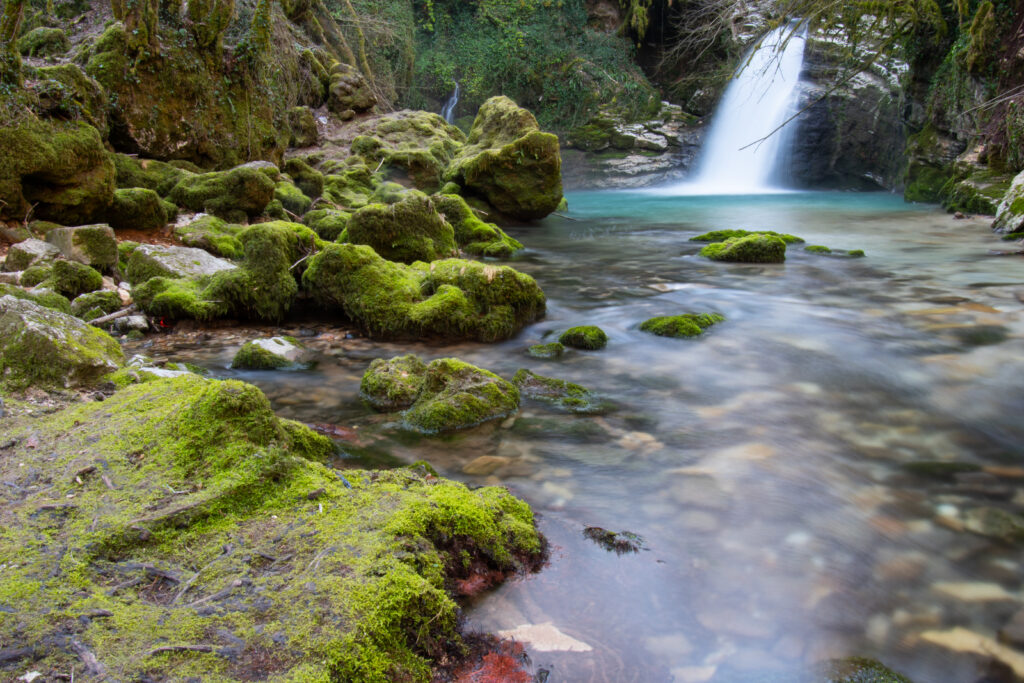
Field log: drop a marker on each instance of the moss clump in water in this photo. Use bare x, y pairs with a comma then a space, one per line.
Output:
276, 353
817, 249
456, 395
859, 670
755, 248
587, 337
393, 384
558, 392
685, 325
723, 235
547, 351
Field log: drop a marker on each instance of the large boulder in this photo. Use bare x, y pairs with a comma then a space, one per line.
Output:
472, 234
349, 91
406, 231
451, 299
509, 162
60, 170
150, 260
420, 143
236, 195
150, 174
1010, 212
755, 248
137, 208
456, 395
43, 348
93, 245
393, 384
29, 253
210, 233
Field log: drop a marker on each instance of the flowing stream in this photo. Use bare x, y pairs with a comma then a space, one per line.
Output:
767, 464
448, 111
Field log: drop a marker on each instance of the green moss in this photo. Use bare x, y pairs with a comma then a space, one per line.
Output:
255, 356
1009, 237
212, 234
176, 299
473, 235
136, 209
418, 142
817, 249
685, 325
34, 275
242, 192
328, 224
592, 136
755, 248
924, 183
94, 245
723, 235
93, 305
856, 253
393, 384
302, 123
292, 198
44, 297
455, 395
859, 670
66, 92
407, 231
44, 42
71, 278
349, 188
148, 173
547, 351
307, 179
558, 392
587, 337
452, 298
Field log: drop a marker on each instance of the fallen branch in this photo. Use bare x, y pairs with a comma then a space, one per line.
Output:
562, 215
179, 648
123, 313
92, 665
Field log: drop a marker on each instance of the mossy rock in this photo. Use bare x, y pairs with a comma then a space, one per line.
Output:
756, 248
407, 231
177, 299
557, 392
243, 192
821, 250
35, 275
723, 235
70, 278
349, 90
353, 566
152, 260
1010, 212
455, 395
44, 42
292, 199
546, 351
510, 162
328, 224
305, 177
349, 188
450, 299
302, 127
212, 234
275, 353
29, 253
393, 384
924, 183
92, 305
137, 208
586, 337
93, 245
858, 670
43, 348
59, 169
66, 92
593, 136
153, 175
44, 297
685, 325
473, 235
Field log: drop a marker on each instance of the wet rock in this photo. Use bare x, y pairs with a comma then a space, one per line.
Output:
1013, 632
757, 248
558, 392
545, 637
150, 260
456, 395
29, 253
587, 337
393, 384
275, 353
964, 640
131, 323
484, 465
547, 351
93, 245
679, 326
1010, 212
47, 349
975, 591
618, 542
995, 523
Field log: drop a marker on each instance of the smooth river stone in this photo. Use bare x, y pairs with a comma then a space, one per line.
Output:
484, 465
545, 638
963, 640
975, 591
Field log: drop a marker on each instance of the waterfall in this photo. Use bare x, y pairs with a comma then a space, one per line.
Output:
448, 111
744, 145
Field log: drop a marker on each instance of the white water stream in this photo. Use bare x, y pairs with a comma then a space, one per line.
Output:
448, 111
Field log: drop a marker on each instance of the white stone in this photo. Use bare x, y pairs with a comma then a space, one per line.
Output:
1007, 220
545, 638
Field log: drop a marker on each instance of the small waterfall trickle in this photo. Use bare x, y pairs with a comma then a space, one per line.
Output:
745, 142
448, 111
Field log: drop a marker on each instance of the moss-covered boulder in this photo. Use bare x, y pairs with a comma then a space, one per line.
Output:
212, 234
407, 231
509, 162
685, 325
723, 235
473, 235
419, 143
95, 304
44, 42
1010, 212
302, 125
349, 91
59, 169
28, 253
137, 208
292, 199
235, 195
43, 296
151, 174
328, 224
152, 260
43, 348
66, 92
586, 337
71, 278
755, 248
199, 513
305, 177
547, 351
857, 670
450, 299
177, 299
349, 188
93, 245
393, 384
274, 353
557, 392
37, 274
456, 395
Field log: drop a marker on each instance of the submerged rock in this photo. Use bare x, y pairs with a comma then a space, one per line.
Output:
43, 348
275, 353
559, 392
858, 670
723, 235
756, 248
509, 162
456, 395
685, 325
587, 337
618, 542
452, 299
353, 568
393, 384
547, 351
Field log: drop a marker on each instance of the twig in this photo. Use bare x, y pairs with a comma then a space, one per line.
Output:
562, 215
92, 664
179, 648
300, 261
114, 316
382, 159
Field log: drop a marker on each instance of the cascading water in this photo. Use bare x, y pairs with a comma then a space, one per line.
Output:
448, 111
745, 142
